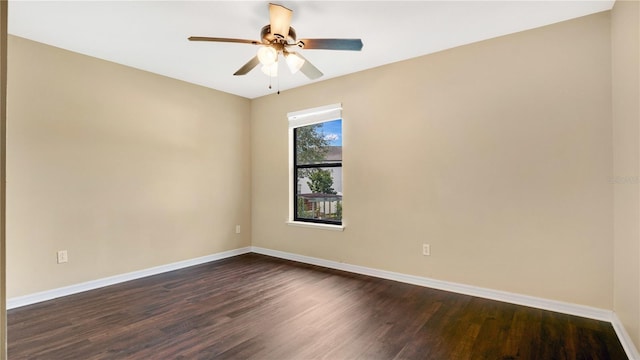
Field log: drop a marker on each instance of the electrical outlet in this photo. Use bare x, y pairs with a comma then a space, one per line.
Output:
426, 249
237, 229
62, 256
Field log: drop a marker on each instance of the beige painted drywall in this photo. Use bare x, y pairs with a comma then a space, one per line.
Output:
498, 154
125, 169
625, 34
3, 118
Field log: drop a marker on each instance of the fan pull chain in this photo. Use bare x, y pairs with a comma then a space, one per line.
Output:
277, 84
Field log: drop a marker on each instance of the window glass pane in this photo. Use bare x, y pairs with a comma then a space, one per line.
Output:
319, 194
319, 143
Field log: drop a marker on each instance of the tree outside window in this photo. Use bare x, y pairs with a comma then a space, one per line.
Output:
318, 172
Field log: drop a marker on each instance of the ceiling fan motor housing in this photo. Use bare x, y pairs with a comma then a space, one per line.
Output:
269, 39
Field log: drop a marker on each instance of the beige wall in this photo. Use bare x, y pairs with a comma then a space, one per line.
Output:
3, 108
124, 169
626, 160
498, 154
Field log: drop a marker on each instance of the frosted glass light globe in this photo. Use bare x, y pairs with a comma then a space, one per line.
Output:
267, 55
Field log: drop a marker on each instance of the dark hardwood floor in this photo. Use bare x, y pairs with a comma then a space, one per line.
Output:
257, 307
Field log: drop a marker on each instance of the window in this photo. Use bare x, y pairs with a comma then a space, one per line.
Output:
316, 171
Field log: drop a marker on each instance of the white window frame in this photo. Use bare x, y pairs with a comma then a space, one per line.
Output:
303, 118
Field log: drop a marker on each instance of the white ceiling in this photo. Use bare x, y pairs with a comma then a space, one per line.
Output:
152, 35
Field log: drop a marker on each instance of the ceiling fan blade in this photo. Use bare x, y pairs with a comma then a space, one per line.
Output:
308, 69
216, 39
332, 44
279, 20
248, 66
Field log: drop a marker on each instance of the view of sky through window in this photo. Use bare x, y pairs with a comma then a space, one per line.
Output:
332, 131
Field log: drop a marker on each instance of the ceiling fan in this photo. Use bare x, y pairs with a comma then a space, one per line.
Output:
278, 37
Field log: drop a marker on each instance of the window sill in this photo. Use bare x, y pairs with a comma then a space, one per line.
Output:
316, 226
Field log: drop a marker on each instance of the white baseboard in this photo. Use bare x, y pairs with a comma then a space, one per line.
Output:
625, 339
112, 280
518, 299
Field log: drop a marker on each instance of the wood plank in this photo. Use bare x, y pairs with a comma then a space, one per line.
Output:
257, 307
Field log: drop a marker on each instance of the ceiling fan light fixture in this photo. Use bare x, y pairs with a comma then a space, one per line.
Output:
277, 38
294, 62
270, 70
267, 55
